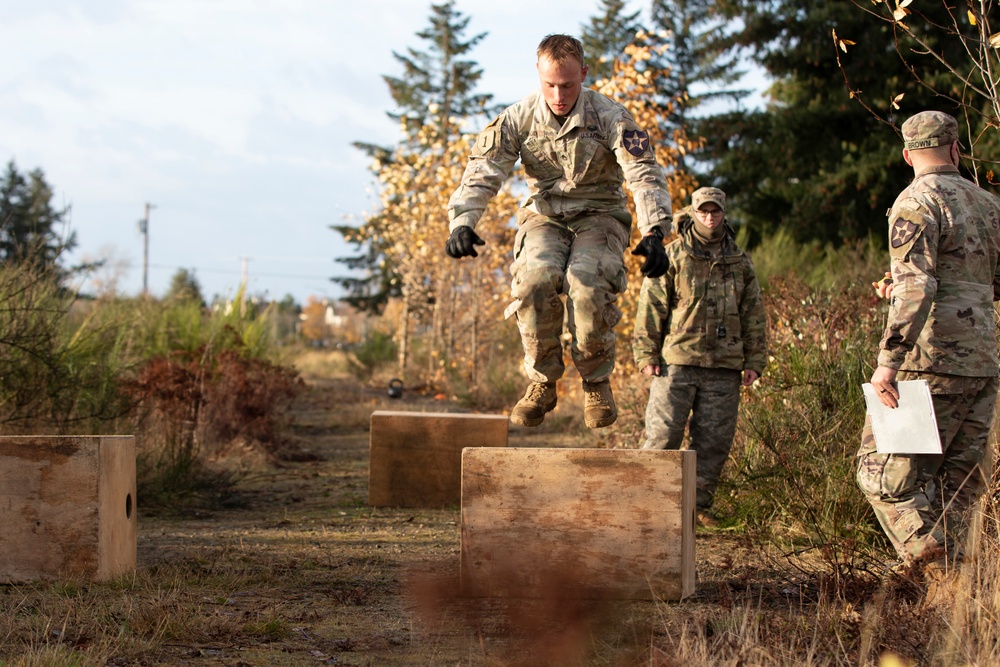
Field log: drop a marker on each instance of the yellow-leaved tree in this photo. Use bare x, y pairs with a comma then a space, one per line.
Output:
454, 306
637, 84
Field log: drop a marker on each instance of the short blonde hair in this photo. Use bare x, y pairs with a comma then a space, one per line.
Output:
559, 48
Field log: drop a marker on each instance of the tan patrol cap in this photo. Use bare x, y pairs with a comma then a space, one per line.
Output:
702, 196
928, 129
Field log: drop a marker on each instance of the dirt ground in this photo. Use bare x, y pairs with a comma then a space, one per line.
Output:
303, 572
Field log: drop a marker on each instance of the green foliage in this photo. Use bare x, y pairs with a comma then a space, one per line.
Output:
379, 280
791, 476
436, 88
58, 365
606, 36
825, 267
162, 328
182, 380
814, 161
200, 380
701, 61
29, 225
184, 286
438, 82
269, 629
377, 349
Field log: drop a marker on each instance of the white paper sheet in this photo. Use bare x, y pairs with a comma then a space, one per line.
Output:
908, 429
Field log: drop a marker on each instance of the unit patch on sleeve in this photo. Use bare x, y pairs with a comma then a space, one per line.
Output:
635, 141
489, 139
906, 226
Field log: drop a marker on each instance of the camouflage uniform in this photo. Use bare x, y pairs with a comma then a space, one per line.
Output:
574, 227
704, 321
944, 238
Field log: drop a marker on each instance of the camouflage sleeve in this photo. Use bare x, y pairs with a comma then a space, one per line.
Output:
753, 321
644, 176
490, 163
651, 316
913, 244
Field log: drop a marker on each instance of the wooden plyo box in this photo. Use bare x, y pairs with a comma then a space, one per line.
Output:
67, 507
578, 523
415, 458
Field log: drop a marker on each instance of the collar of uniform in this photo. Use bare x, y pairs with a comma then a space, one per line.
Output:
937, 169
575, 118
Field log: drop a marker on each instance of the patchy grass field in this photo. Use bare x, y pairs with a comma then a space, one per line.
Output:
303, 572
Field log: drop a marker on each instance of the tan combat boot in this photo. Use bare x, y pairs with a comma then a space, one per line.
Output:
538, 399
599, 408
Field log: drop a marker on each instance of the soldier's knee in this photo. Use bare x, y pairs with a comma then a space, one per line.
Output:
885, 477
540, 283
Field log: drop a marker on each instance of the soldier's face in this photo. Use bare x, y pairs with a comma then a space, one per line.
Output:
710, 215
561, 83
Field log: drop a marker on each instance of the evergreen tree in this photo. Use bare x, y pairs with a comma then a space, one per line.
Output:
703, 65
436, 87
606, 37
29, 224
378, 282
814, 161
436, 82
184, 286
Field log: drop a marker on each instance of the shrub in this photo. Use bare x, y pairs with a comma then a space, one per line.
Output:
58, 368
791, 473
377, 349
191, 401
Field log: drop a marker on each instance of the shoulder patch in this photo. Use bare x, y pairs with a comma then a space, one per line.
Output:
636, 142
904, 228
488, 139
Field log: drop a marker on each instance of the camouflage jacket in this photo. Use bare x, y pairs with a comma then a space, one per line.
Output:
944, 242
682, 314
573, 168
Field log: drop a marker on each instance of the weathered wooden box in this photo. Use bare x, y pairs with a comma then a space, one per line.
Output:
578, 523
67, 507
415, 458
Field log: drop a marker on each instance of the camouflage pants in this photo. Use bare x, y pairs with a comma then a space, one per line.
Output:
711, 397
921, 499
581, 258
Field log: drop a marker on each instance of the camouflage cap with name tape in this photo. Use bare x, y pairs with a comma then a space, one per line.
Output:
928, 129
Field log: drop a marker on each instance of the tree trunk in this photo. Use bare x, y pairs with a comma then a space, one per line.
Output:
403, 334
452, 301
476, 276
435, 326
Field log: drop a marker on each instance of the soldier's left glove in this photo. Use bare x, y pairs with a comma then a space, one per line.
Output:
463, 242
651, 247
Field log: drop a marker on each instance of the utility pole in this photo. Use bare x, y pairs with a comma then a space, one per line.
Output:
144, 230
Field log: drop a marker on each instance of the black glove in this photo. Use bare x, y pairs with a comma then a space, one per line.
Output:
463, 242
651, 247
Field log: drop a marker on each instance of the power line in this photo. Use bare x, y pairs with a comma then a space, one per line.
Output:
231, 272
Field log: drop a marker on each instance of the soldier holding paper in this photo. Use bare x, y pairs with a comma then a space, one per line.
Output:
944, 243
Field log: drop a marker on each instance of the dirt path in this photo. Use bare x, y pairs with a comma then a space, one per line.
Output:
305, 573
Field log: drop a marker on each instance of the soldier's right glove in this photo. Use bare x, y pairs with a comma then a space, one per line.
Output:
463, 242
651, 247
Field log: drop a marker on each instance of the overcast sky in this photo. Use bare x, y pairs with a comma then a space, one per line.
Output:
234, 118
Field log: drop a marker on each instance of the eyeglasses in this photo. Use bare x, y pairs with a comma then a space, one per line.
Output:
703, 213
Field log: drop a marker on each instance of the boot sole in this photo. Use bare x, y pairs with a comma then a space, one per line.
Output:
524, 421
601, 423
